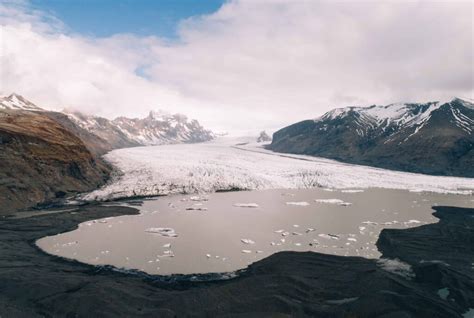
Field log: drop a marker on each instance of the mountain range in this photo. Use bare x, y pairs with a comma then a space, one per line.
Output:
433, 138
157, 128
49, 155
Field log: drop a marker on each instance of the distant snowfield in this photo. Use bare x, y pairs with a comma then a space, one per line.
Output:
227, 164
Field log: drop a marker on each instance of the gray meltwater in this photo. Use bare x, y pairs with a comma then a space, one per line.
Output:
224, 232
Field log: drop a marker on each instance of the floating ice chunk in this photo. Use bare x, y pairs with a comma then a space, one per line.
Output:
163, 231
296, 225
333, 201
329, 236
246, 251
168, 253
352, 239
302, 203
282, 240
279, 231
259, 252
272, 243
297, 233
196, 208
352, 191
310, 229
328, 189
413, 222
168, 245
208, 255
198, 198
246, 205
247, 241
370, 223
70, 243
297, 244
285, 233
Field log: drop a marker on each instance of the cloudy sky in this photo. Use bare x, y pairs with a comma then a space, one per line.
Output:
237, 66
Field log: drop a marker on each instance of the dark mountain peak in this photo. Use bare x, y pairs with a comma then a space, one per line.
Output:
434, 137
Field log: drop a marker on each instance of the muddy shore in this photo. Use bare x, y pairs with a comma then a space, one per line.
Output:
439, 283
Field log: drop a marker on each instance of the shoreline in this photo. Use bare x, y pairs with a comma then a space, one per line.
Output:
36, 284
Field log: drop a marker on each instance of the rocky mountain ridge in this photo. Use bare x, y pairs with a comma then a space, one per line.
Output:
49, 155
157, 128
432, 138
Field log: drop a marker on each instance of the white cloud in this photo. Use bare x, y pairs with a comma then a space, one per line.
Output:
251, 64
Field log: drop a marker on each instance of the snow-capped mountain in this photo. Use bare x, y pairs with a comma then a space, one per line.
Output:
155, 129
434, 137
17, 102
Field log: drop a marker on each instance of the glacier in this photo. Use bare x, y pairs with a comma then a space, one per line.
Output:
228, 164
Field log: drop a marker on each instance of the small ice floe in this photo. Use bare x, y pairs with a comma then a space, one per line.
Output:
259, 252
163, 231
310, 229
297, 233
168, 253
333, 201
279, 231
246, 205
196, 208
208, 255
443, 293
301, 203
246, 251
370, 223
397, 267
70, 244
282, 240
352, 191
171, 205
168, 245
296, 225
198, 198
412, 222
297, 244
329, 236
352, 239
285, 233
247, 241
328, 190
272, 243
387, 223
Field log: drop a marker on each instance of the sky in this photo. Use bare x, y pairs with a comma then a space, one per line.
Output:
239, 66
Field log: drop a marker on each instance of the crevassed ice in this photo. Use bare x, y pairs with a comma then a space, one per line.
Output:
220, 165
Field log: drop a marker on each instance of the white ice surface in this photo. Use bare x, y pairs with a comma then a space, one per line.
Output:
221, 165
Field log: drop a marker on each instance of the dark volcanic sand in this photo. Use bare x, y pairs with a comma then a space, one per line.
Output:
35, 284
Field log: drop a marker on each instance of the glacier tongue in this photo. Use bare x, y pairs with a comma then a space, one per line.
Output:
221, 165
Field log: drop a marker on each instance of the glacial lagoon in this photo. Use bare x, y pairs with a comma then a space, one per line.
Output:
224, 232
